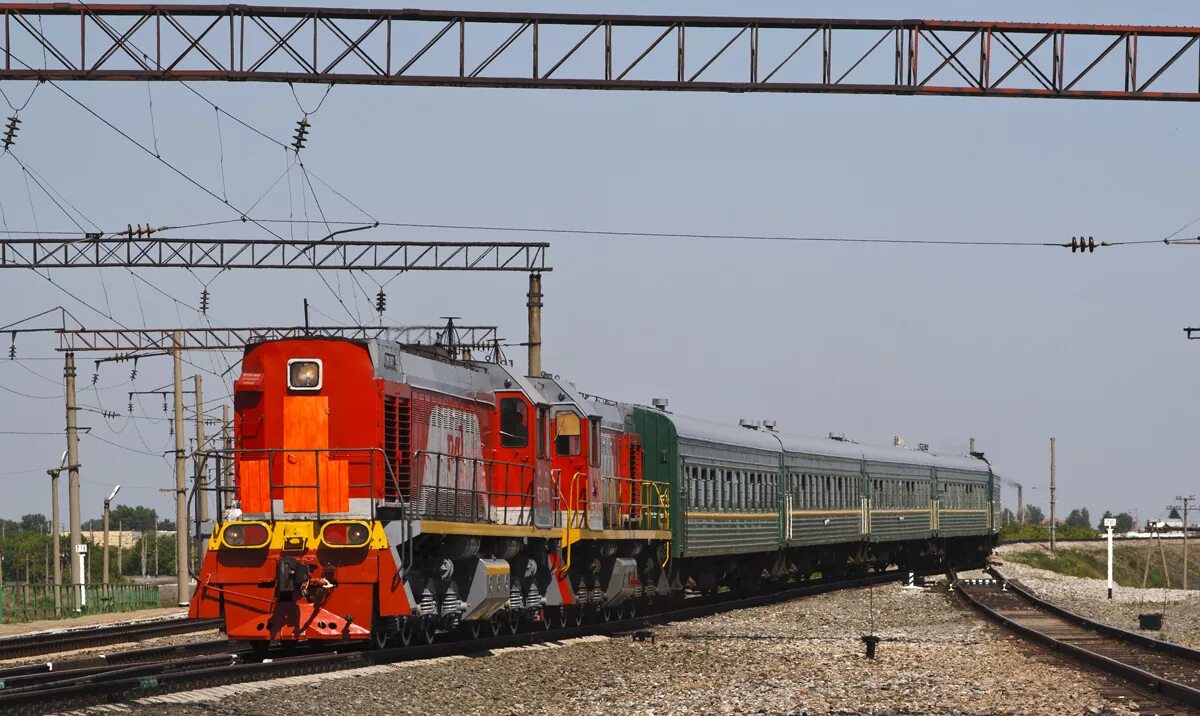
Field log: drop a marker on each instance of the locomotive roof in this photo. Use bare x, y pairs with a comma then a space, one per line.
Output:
450, 377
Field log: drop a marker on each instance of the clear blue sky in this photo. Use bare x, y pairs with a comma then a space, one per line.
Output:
1007, 345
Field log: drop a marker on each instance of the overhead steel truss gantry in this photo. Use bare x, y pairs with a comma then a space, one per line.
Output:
340, 255
65, 41
132, 340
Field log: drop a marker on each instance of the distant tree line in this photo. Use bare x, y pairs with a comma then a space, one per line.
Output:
1078, 524
26, 547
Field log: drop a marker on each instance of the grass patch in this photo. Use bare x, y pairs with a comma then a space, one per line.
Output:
1014, 531
1129, 563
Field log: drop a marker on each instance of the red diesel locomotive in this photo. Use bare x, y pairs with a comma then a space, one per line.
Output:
387, 493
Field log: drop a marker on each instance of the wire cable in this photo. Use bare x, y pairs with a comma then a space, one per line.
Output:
14, 108
304, 111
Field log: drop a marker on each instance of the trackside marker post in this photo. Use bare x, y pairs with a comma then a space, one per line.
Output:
1109, 523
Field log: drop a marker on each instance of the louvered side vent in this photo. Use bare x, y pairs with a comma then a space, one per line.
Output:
390, 447
404, 446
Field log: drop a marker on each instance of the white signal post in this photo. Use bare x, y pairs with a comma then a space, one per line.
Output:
81, 549
1109, 523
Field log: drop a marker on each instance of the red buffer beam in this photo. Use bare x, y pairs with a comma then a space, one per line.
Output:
582, 51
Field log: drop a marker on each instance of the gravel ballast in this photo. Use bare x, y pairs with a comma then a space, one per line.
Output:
802, 657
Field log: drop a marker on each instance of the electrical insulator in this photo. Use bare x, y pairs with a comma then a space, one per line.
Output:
131, 405
381, 301
10, 131
12, 348
204, 301
301, 134
133, 373
95, 378
1085, 245
164, 402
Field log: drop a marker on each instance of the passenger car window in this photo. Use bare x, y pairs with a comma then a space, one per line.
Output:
514, 423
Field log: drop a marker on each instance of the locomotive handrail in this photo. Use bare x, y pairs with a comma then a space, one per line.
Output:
480, 469
646, 506
569, 511
272, 453
664, 502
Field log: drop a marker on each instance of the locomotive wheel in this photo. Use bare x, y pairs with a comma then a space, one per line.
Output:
547, 620
607, 613
631, 609
497, 625
576, 616
260, 648
561, 617
475, 629
379, 639
514, 624
426, 630
404, 637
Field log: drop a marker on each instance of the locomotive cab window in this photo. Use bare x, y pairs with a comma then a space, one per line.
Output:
514, 423
567, 435
304, 374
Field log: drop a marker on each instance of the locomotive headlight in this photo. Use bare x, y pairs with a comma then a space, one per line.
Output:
304, 374
345, 534
246, 534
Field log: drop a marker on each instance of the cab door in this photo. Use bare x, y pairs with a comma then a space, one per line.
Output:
514, 467
543, 488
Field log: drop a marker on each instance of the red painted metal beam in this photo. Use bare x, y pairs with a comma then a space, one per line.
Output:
68, 42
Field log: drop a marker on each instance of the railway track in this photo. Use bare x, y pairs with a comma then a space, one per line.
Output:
55, 642
82, 684
1154, 674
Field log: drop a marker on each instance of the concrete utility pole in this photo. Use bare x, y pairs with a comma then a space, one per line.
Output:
77, 575
1020, 505
181, 515
56, 533
1053, 514
1186, 500
534, 304
201, 464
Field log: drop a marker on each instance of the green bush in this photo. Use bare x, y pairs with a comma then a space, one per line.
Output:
1013, 531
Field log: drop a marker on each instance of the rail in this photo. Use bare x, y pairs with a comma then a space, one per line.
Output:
27, 602
1153, 651
113, 686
